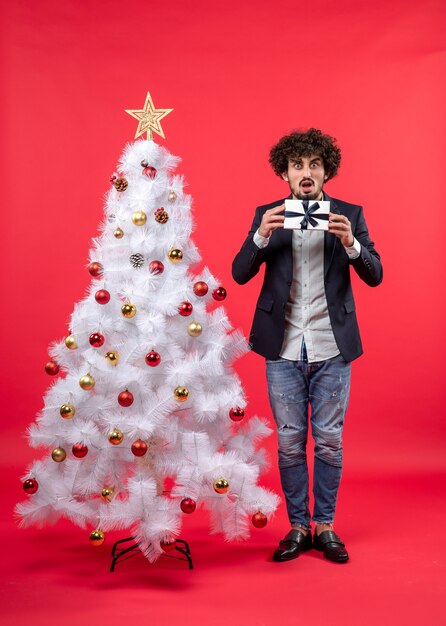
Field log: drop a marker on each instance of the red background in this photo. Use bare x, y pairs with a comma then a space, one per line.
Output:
239, 75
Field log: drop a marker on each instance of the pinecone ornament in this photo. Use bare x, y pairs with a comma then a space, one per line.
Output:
161, 216
137, 260
120, 184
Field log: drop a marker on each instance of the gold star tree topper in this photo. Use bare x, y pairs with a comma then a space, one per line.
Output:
149, 118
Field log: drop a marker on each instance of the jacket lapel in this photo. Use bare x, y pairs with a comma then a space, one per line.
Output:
285, 234
329, 238
286, 237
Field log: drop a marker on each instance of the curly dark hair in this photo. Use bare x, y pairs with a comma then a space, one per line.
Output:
306, 143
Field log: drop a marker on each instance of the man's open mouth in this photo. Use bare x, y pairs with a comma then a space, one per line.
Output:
306, 185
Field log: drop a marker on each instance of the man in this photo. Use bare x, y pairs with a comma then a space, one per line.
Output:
305, 325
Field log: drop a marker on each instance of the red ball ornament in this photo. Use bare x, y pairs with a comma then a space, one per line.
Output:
79, 450
188, 505
149, 171
125, 398
95, 269
96, 340
237, 414
102, 296
153, 358
156, 267
52, 368
185, 309
200, 288
30, 485
139, 447
168, 545
219, 294
259, 520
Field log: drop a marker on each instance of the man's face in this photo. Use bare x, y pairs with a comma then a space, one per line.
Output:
306, 177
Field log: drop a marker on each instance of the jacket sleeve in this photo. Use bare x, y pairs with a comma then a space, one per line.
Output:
368, 265
250, 257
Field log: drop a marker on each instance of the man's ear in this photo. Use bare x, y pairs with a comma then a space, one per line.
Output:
285, 176
326, 176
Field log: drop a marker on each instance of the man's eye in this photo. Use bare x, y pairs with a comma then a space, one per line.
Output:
298, 165
316, 164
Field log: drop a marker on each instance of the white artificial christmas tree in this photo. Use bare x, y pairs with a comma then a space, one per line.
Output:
147, 391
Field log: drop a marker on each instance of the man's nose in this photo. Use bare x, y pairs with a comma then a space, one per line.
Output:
306, 171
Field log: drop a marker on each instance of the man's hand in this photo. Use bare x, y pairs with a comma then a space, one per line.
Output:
340, 226
271, 220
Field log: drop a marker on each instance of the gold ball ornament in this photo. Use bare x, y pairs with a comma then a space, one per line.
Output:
128, 310
67, 411
112, 358
172, 196
107, 494
97, 538
221, 485
194, 329
87, 382
139, 218
181, 394
70, 342
58, 455
118, 233
175, 255
115, 436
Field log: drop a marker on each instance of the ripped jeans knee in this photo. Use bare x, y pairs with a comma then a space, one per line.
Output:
292, 446
329, 449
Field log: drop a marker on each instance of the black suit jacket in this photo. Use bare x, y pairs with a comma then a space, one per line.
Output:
268, 327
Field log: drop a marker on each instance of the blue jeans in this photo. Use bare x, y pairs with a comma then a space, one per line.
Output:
292, 387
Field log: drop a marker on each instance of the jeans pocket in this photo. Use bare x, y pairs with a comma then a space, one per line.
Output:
272, 361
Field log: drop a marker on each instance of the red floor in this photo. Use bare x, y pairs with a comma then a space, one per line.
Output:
391, 525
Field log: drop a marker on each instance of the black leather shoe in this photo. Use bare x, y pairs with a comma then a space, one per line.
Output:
330, 544
292, 545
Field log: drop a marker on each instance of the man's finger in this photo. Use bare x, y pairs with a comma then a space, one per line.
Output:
275, 218
338, 231
335, 217
339, 225
275, 210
